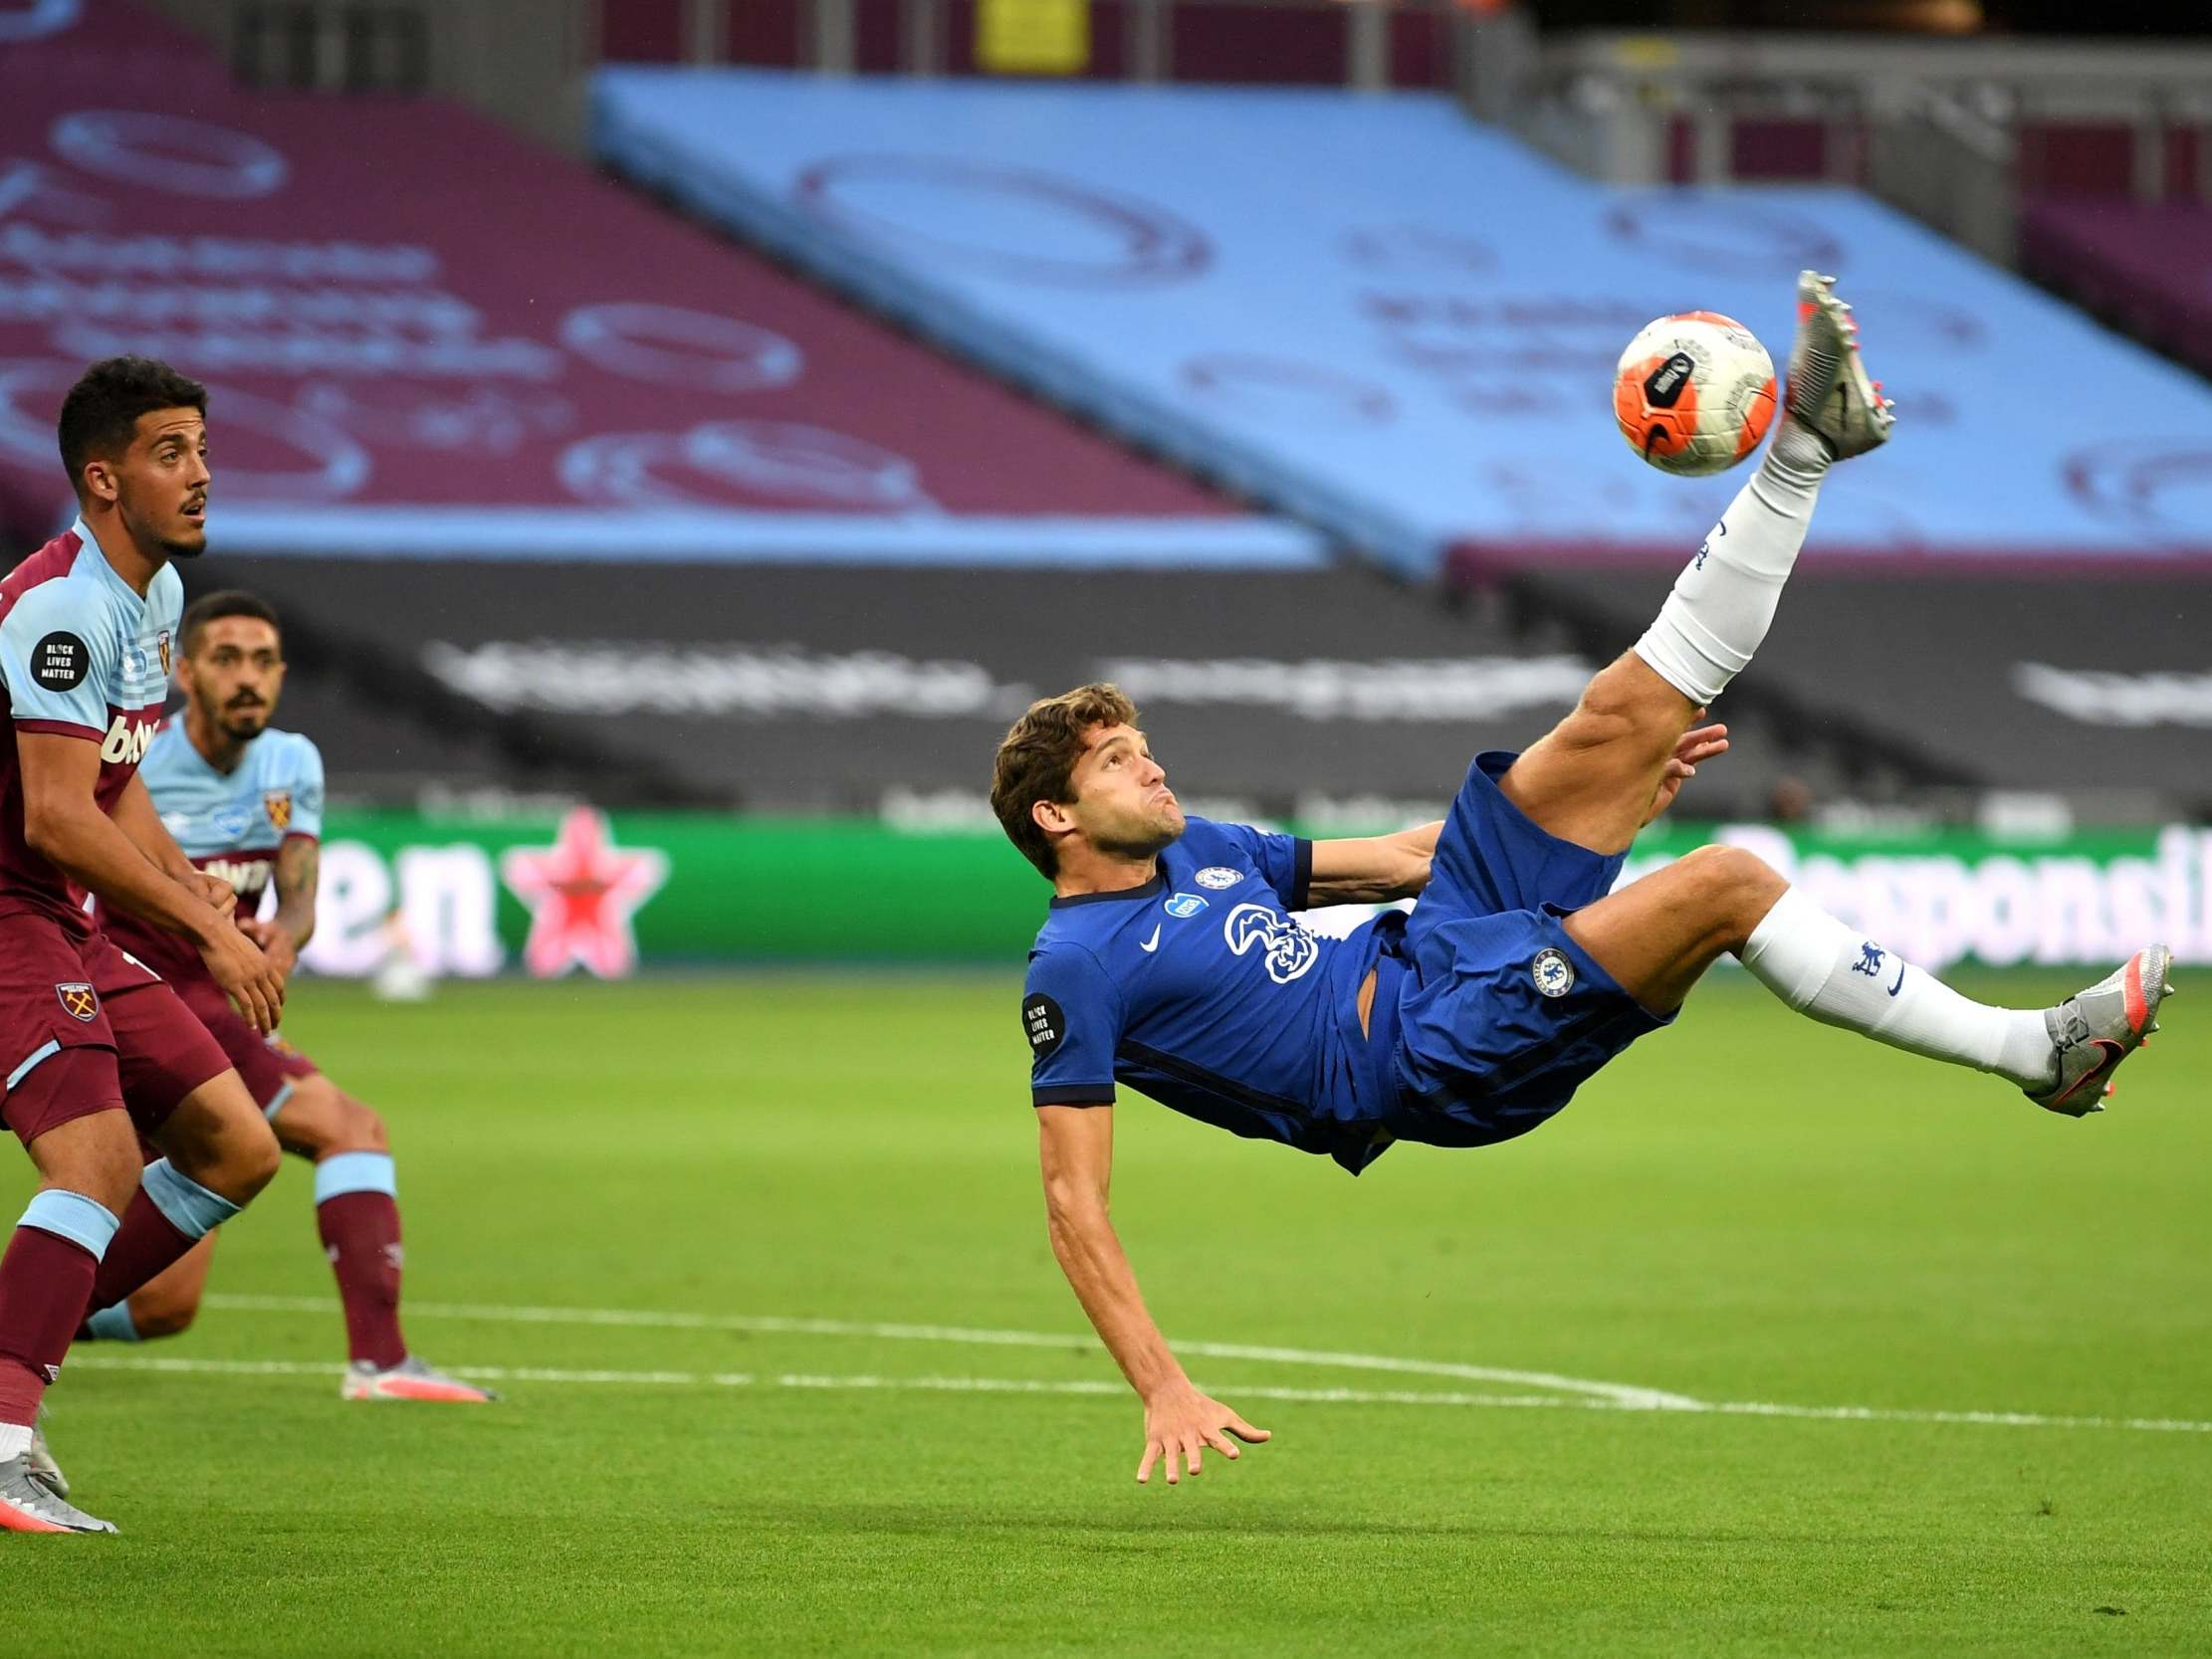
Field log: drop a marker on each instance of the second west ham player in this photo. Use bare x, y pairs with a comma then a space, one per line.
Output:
245, 802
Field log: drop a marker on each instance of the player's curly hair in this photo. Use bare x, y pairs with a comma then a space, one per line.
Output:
101, 413
1036, 761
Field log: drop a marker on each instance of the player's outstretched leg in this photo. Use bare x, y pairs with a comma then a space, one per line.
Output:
88, 1165
1591, 780
1657, 936
356, 1210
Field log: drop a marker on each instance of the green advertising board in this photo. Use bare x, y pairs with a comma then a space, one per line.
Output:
606, 893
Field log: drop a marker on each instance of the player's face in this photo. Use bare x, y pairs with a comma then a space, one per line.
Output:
159, 484
234, 673
1123, 803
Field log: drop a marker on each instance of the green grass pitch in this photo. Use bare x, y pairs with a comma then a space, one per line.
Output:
681, 1175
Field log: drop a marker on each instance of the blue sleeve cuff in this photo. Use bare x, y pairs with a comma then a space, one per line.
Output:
1073, 1094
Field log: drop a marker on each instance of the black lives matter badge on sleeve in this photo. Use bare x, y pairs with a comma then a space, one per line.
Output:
60, 662
1042, 1024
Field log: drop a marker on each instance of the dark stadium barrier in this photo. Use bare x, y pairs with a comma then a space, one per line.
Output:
2093, 688
866, 689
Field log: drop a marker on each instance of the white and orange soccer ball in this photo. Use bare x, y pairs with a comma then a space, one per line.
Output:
1694, 393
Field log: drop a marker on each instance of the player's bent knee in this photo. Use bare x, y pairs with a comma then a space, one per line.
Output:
1732, 884
219, 1139
311, 1121
159, 1316
255, 1164
359, 1128
368, 1126
96, 1154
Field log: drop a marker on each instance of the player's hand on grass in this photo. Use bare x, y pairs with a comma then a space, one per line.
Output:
1700, 744
275, 943
249, 978
1181, 1422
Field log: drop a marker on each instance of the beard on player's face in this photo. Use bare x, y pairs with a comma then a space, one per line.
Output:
239, 713
165, 526
1140, 833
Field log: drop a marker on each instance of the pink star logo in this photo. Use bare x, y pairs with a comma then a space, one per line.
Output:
581, 893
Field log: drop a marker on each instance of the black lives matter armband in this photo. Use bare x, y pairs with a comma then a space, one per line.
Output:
1042, 1024
60, 662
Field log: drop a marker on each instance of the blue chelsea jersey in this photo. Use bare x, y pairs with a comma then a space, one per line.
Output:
1202, 990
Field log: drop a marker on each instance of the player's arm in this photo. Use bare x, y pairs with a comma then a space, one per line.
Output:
299, 867
1075, 1148
136, 816
63, 824
1374, 869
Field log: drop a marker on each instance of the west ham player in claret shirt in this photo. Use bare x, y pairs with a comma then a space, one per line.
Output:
1172, 960
94, 1050
245, 802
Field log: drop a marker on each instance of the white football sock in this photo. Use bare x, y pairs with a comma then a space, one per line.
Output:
15, 1440
1725, 599
1821, 967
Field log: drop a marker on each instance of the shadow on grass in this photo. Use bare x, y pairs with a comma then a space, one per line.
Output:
1164, 1513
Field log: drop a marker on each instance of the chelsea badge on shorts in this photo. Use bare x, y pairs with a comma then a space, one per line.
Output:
1553, 973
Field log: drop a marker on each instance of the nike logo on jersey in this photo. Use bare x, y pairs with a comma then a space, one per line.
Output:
1152, 943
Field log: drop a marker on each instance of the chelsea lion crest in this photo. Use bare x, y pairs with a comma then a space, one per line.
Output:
1553, 973
1219, 876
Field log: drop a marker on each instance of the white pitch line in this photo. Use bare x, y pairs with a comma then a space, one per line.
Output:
1627, 1396
1098, 1387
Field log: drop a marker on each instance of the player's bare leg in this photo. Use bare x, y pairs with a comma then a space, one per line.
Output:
87, 1170
1591, 780
357, 1212
218, 1154
1659, 936
165, 1306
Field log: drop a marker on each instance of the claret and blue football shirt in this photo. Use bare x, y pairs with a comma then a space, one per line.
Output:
230, 824
85, 655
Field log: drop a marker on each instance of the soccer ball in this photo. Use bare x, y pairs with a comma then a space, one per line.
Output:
1694, 393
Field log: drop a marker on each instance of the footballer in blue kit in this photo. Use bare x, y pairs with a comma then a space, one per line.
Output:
1173, 959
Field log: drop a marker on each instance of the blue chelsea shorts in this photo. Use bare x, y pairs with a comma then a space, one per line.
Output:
1499, 1016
